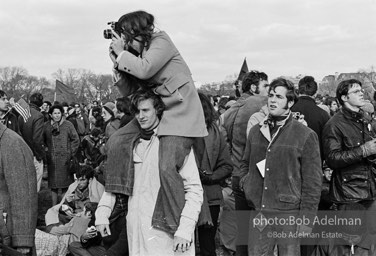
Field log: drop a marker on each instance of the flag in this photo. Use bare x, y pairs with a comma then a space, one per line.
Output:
243, 70
23, 109
64, 93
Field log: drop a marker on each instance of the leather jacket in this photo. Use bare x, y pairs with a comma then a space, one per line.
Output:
353, 177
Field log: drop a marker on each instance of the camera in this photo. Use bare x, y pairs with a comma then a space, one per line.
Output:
296, 115
107, 33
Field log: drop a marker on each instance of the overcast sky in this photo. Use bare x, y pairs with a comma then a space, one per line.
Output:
279, 37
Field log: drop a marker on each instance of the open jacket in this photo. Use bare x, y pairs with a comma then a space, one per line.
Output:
292, 176
18, 189
353, 177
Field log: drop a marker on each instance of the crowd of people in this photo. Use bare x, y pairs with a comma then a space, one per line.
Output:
164, 170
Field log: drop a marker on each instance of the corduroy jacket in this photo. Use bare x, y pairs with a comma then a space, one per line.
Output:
293, 176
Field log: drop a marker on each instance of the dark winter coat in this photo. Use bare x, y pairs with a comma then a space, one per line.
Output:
18, 188
353, 177
32, 131
61, 148
315, 116
214, 163
11, 121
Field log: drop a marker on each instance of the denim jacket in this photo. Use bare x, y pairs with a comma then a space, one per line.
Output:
119, 170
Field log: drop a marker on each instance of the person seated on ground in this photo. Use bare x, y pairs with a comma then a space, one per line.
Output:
85, 189
114, 244
59, 237
91, 147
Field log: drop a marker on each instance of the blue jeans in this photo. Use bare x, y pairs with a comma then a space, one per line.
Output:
171, 196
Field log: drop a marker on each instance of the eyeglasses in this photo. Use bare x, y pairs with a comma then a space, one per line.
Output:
357, 91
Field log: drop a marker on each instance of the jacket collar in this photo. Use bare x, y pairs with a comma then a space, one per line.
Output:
352, 114
265, 131
307, 98
34, 106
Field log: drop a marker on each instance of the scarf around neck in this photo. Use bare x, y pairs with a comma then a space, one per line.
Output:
275, 122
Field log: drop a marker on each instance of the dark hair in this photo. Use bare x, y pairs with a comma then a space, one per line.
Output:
142, 95
56, 106
307, 85
252, 77
209, 111
138, 23
123, 105
91, 207
222, 103
329, 101
343, 88
36, 99
48, 103
85, 170
65, 104
95, 132
2, 93
96, 109
291, 94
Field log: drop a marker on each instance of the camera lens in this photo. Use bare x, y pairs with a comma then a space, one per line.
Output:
107, 34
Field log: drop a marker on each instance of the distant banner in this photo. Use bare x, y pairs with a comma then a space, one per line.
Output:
64, 93
243, 70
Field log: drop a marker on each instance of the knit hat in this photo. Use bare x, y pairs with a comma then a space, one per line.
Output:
109, 106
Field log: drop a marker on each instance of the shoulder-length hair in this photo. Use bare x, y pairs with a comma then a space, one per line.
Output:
138, 23
209, 112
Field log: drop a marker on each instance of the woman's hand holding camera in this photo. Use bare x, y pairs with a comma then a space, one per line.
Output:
117, 46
